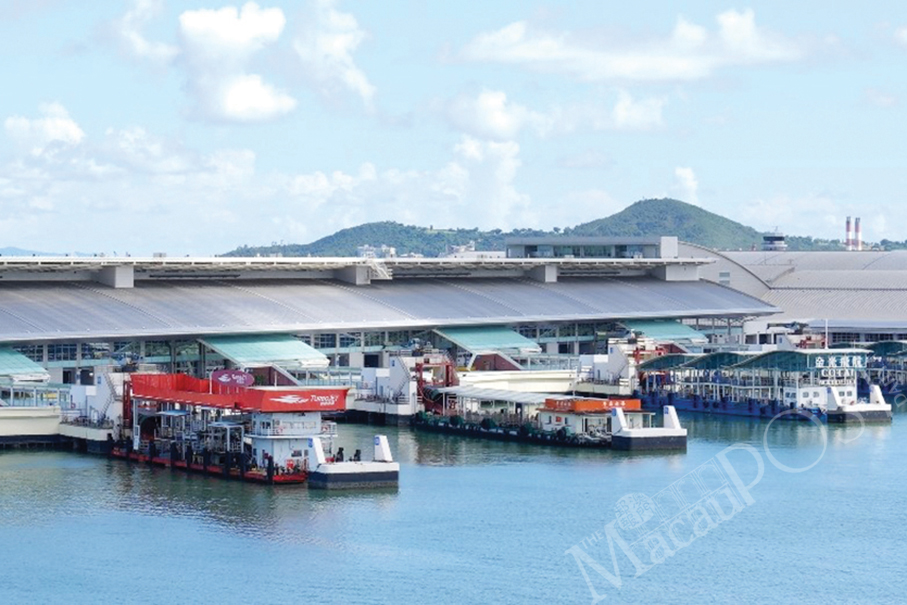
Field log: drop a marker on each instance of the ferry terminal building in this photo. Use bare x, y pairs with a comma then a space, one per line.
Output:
70, 315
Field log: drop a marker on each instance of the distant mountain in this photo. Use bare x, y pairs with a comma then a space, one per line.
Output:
406, 239
672, 217
644, 218
13, 251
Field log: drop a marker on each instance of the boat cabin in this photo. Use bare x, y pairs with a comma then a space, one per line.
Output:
584, 416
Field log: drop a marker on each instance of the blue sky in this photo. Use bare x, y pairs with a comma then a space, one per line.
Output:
190, 128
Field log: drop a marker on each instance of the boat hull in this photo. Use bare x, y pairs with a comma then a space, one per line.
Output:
367, 479
214, 471
732, 408
623, 443
512, 435
641, 444
859, 417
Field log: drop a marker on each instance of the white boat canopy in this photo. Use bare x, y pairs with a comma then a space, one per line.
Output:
18, 367
258, 351
485, 339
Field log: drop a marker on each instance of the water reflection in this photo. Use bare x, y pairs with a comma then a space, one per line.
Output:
35, 487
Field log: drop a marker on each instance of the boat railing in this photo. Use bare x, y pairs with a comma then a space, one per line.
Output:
500, 418
328, 430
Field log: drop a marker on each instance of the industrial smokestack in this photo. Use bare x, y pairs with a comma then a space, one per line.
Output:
858, 236
848, 242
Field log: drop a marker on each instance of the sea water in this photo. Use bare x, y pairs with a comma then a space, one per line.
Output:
813, 515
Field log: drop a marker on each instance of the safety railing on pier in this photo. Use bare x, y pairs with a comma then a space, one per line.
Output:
307, 429
24, 394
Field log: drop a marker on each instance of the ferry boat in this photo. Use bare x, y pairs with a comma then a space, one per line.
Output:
800, 384
619, 424
887, 367
232, 429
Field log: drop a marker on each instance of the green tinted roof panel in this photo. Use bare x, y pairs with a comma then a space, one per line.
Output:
16, 365
665, 330
489, 338
282, 350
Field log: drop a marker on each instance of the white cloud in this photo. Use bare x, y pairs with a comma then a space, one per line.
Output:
230, 33
129, 28
248, 98
900, 36
490, 196
218, 46
690, 52
134, 149
490, 115
686, 185
578, 206
637, 115
880, 98
158, 193
745, 43
818, 215
589, 159
325, 46
54, 128
474, 189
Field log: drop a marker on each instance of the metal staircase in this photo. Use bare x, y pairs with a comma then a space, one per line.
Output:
112, 396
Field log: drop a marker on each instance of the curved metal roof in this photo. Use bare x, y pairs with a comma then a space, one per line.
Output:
44, 311
717, 361
862, 290
666, 362
814, 260
801, 360
887, 348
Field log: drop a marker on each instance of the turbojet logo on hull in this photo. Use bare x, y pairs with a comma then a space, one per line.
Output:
322, 400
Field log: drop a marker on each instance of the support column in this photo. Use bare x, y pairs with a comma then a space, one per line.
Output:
545, 274
358, 275
201, 372
120, 276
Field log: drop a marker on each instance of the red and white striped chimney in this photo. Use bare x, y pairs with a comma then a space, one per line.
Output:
858, 236
848, 243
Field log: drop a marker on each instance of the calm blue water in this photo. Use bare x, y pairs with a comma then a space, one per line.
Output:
473, 521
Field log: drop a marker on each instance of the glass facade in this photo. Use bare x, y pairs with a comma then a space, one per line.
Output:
62, 352
349, 341
33, 352
325, 341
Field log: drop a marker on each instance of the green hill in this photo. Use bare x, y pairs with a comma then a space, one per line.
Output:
407, 239
644, 218
672, 217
